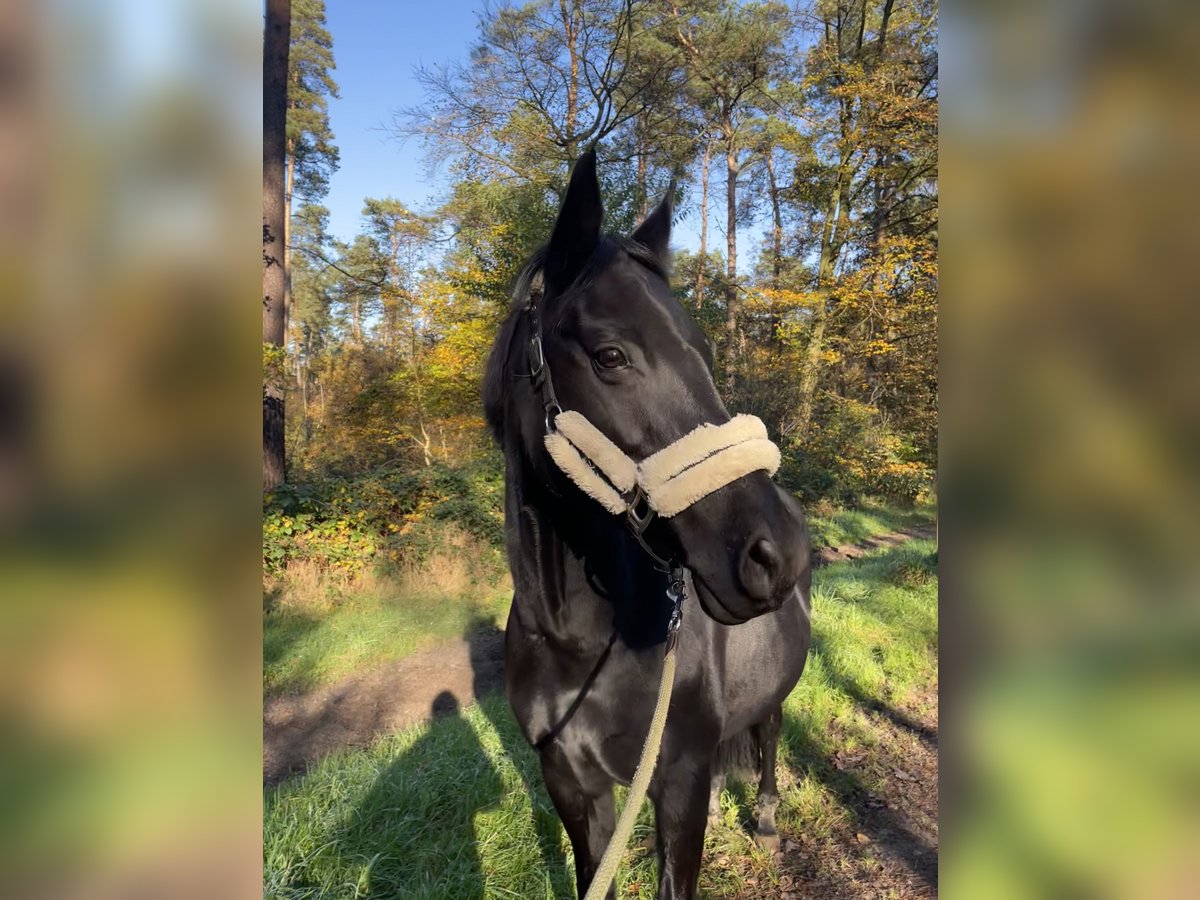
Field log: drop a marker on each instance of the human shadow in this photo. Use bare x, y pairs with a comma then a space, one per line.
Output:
414, 829
486, 648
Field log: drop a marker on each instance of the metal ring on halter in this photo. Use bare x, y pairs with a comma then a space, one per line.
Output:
552, 405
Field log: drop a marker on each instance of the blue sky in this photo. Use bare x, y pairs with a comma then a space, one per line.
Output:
376, 47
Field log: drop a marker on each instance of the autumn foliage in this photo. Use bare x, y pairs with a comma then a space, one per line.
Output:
817, 135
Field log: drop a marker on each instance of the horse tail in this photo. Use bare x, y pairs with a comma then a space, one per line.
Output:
739, 755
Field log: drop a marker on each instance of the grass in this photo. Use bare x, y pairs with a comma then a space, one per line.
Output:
303, 648
456, 809
831, 526
319, 627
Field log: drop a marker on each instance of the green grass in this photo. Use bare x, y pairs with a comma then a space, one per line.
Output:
457, 809
853, 524
306, 645
325, 638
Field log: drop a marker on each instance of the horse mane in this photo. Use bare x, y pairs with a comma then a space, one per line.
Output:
499, 373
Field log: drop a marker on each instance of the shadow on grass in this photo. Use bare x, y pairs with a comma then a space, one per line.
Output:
284, 632
485, 641
841, 681
809, 757
415, 833
809, 750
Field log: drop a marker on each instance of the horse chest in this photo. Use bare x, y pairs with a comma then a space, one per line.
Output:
606, 729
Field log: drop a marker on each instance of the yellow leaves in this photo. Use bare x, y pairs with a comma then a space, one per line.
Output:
781, 300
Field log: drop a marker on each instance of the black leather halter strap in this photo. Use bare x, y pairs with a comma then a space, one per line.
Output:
539, 371
548, 738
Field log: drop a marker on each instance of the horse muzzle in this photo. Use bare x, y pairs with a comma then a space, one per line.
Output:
747, 548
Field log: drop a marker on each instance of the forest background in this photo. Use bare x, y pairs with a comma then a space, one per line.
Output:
806, 135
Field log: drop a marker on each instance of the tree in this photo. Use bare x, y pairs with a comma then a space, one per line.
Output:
312, 157
828, 133
275, 71
854, 303
401, 238
313, 285
732, 50
546, 80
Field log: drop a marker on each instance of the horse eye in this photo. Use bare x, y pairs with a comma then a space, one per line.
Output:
610, 358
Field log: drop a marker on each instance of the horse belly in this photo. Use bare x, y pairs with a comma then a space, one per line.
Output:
763, 662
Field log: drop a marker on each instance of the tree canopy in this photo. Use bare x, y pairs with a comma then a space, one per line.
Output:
817, 123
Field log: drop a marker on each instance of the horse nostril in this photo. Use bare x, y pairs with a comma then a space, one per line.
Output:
760, 569
764, 553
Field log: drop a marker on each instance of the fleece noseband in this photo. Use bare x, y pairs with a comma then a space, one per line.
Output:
702, 461
667, 482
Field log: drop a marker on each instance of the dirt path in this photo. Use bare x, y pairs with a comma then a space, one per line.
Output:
299, 729
827, 555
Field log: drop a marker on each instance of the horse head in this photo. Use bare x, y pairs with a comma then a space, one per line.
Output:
627, 355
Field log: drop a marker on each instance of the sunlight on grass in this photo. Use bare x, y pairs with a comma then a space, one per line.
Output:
832, 527
457, 808
305, 647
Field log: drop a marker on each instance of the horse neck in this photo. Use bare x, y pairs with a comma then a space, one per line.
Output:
576, 571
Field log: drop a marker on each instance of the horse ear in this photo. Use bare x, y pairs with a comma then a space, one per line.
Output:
577, 228
655, 232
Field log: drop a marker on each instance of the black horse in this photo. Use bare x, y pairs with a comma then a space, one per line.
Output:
584, 643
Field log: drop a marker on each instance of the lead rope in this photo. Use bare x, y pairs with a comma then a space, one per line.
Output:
607, 870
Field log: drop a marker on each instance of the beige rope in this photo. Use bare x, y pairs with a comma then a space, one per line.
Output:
638, 787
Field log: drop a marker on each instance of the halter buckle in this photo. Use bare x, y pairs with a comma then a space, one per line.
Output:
537, 356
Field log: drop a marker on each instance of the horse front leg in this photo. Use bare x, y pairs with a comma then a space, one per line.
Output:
588, 814
681, 814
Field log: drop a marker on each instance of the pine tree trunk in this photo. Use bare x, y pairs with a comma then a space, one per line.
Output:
777, 222
703, 222
276, 39
731, 293
643, 205
569, 30
776, 236
287, 238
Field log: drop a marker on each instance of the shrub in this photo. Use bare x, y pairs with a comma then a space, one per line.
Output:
849, 454
385, 517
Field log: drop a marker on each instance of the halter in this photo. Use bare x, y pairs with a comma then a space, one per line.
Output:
665, 483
